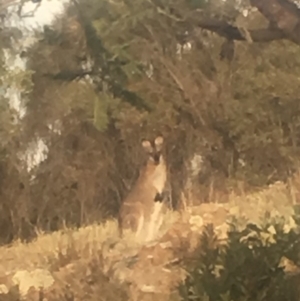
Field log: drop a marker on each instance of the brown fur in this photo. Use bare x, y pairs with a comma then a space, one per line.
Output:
140, 203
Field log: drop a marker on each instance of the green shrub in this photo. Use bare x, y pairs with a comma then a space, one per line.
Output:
248, 267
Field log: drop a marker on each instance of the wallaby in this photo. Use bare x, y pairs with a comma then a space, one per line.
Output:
142, 210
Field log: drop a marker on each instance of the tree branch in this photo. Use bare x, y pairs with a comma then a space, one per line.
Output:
283, 14
231, 32
284, 17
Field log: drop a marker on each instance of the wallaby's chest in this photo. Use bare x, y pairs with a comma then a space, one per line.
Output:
159, 178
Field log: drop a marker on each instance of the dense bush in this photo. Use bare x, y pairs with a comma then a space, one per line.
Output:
249, 267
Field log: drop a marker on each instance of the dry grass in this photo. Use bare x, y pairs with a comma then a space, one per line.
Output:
88, 240
84, 247
47, 248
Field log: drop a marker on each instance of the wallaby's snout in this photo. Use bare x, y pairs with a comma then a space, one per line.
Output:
142, 209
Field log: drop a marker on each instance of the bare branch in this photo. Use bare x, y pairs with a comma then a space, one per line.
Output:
283, 14
231, 32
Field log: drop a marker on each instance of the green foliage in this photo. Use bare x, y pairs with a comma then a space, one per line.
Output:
101, 112
196, 4
248, 267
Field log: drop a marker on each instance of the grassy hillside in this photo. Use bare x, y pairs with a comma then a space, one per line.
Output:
92, 261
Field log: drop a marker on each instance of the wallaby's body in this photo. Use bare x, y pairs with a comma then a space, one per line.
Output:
142, 209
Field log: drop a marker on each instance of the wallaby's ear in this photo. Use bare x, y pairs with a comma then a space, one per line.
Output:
147, 145
159, 142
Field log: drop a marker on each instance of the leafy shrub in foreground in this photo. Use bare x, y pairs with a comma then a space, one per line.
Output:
248, 267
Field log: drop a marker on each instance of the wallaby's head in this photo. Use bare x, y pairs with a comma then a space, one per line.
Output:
154, 149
